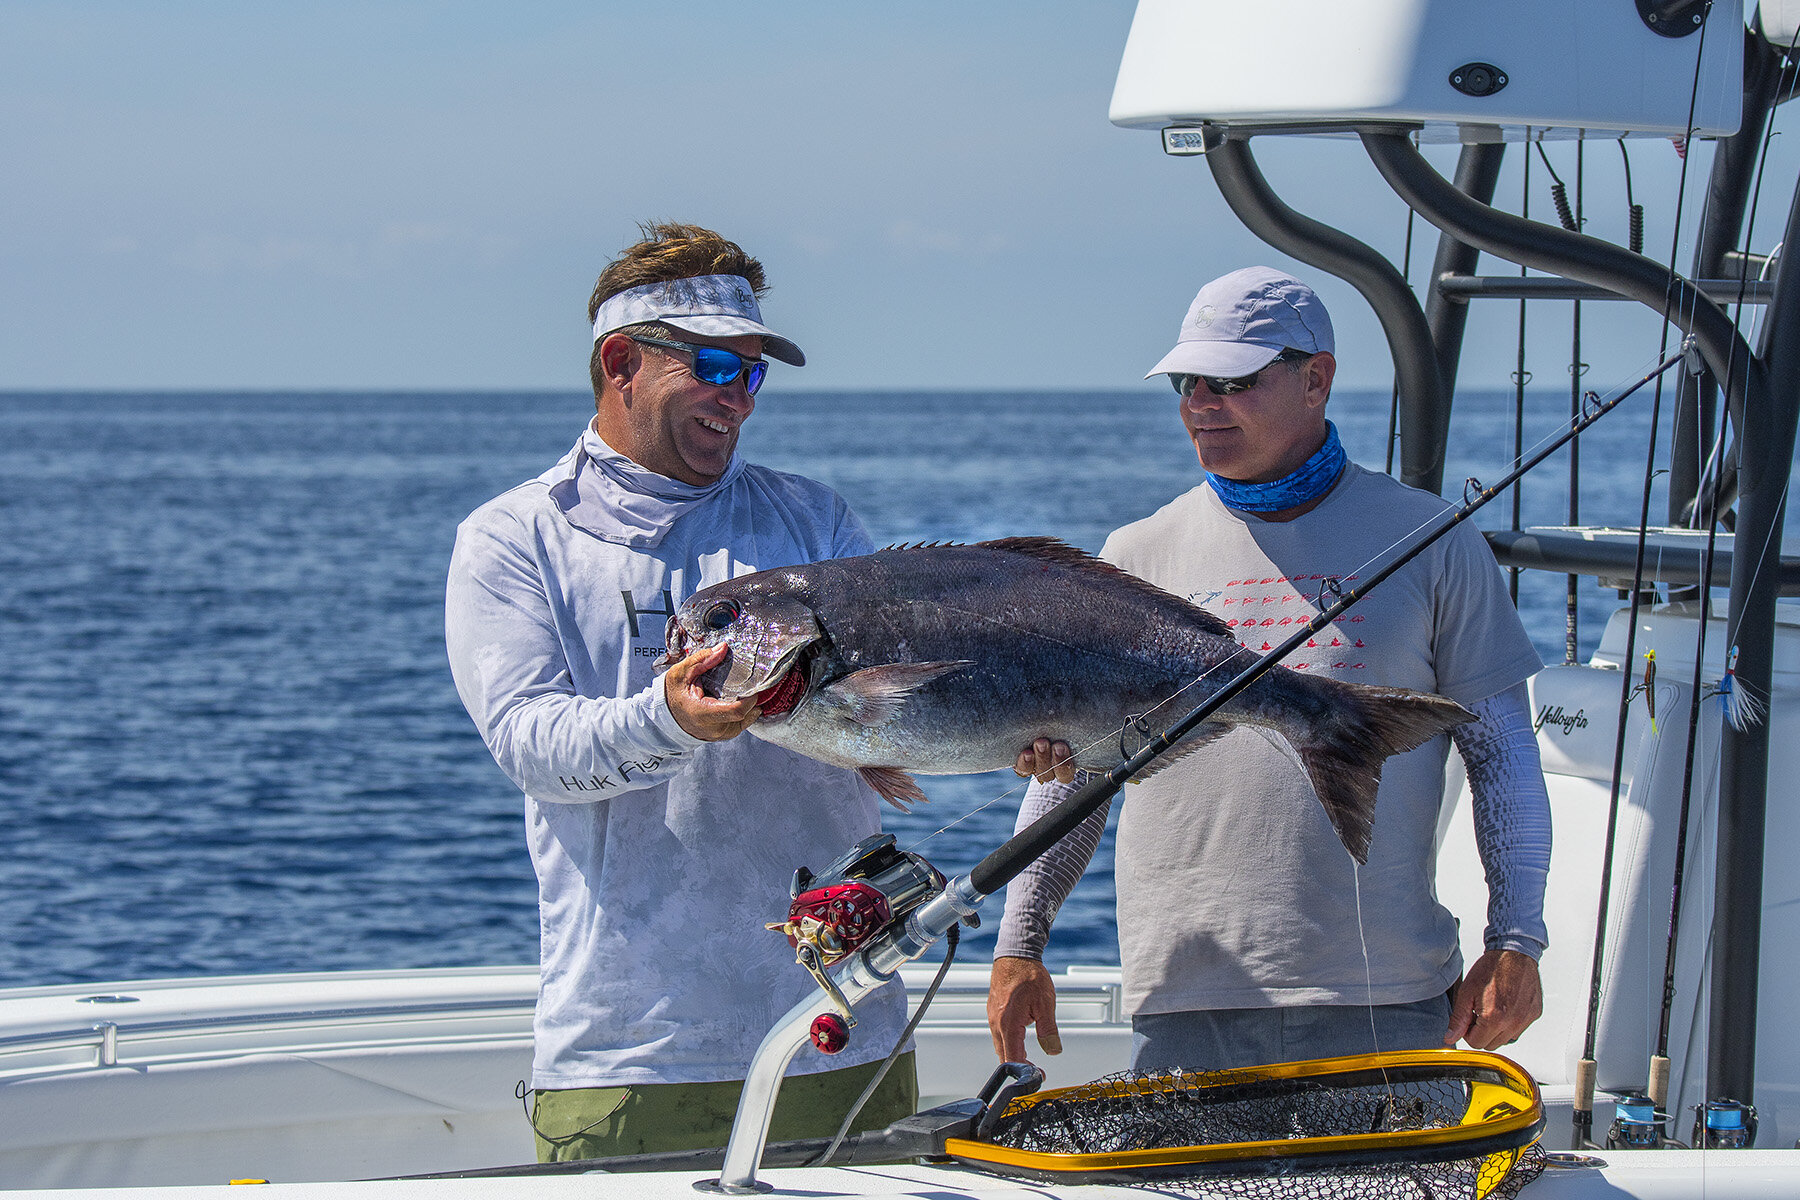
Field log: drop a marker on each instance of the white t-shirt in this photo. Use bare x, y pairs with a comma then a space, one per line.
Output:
659, 857
1233, 891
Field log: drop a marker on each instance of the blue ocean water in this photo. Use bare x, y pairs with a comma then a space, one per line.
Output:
228, 737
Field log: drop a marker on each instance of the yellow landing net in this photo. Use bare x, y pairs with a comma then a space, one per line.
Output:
1427, 1123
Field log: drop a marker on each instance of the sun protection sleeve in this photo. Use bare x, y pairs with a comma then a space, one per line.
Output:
1512, 818
1037, 893
508, 658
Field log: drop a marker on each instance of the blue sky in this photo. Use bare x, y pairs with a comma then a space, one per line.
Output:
391, 195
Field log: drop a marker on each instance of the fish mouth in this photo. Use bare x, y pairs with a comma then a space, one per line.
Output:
735, 677
776, 702
764, 637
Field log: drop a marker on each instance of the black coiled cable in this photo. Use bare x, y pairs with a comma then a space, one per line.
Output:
1636, 209
1559, 194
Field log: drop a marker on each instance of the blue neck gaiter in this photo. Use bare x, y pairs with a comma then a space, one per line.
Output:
1312, 480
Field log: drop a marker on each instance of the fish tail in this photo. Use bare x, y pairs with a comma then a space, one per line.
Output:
1344, 749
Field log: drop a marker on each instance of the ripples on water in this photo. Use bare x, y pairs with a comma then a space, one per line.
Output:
228, 737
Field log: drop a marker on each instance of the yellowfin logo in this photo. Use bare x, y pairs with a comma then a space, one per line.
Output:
1554, 715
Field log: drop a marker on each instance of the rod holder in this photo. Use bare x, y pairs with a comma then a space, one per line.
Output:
107, 1053
855, 979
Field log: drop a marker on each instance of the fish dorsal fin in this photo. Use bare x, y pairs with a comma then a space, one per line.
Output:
1059, 552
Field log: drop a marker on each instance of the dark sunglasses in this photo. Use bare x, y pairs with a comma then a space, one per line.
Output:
715, 364
1185, 384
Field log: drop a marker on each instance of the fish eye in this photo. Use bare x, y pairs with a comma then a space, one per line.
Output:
722, 614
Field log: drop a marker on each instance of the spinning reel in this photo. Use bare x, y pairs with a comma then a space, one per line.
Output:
835, 913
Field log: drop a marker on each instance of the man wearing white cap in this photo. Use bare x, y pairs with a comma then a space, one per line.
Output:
662, 840
1246, 933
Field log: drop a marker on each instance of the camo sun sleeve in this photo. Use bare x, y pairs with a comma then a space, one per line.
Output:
1512, 818
1037, 893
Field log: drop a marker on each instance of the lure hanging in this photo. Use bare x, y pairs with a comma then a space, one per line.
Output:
1648, 687
1742, 710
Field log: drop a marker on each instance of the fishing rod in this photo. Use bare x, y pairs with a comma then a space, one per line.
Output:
869, 955
1520, 376
1587, 1068
1736, 712
1000, 866
1572, 582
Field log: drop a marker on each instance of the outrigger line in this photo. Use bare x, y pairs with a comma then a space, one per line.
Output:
999, 867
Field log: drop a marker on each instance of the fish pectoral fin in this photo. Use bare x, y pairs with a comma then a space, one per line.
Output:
1197, 738
875, 694
894, 785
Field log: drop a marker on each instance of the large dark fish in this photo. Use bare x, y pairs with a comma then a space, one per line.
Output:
950, 659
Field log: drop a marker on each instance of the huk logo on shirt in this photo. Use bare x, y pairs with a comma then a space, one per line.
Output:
633, 611
625, 769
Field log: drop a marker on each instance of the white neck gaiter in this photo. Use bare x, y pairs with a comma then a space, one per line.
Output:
623, 501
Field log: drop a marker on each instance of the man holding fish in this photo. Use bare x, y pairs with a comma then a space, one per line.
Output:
1246, 932
662, 841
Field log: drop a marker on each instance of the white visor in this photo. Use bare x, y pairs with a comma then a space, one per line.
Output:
719, 306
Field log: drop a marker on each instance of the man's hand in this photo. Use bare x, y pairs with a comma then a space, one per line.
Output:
702, 716
1496, 1001
1045, 760
1019, 994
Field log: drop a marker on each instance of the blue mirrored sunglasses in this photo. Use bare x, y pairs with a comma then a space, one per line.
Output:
1185, 384
715, 364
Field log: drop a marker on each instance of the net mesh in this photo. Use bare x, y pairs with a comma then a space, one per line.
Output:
1130, 1112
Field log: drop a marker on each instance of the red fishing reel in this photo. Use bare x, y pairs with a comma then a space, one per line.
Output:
838, 911
836, 920
842, 909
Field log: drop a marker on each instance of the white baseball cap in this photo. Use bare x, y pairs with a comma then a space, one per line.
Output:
1241, 321
709, 305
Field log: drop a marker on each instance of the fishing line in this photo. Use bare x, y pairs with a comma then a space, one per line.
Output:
1368, 970
1783, 81
1018, 790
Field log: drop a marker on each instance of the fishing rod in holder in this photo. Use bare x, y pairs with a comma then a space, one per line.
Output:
874, 905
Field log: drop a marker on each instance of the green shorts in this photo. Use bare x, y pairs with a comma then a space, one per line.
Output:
578, 1123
